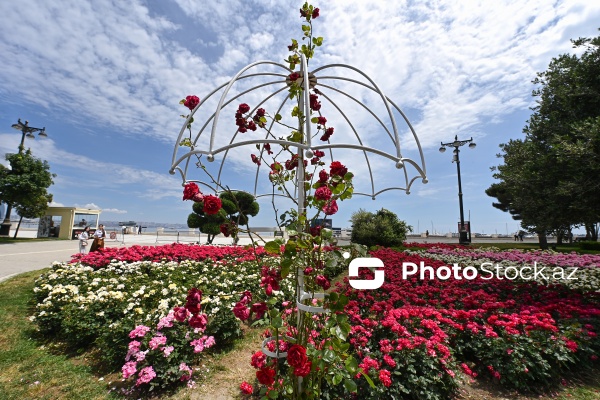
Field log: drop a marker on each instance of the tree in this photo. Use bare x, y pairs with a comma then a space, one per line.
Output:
25, 185
548, 179
236, 209
382, 228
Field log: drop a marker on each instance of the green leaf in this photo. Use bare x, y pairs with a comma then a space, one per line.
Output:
337, 378
314, 120
351, 365
350, 385
273, 247
368, 378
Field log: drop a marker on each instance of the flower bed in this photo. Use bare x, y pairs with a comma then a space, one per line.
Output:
418, 337
169, 252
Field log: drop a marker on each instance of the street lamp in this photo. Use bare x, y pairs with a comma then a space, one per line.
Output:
26, 131
463, 238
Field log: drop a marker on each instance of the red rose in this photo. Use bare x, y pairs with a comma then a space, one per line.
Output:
330, 208
241, 311
260, 112
258, 360
296, 356
323, 176
198, 321
259, 308
212, 204
315, 13
190, 190
244, 108
180, 313
303, 370
266, 376
323, 193
336, 168
224, 228
294, 76
191, 102
255, 159
323, 282
246, 388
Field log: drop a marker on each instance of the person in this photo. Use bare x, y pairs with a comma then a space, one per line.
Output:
140, 230
83, 222
83, 240
427, 233
99, 237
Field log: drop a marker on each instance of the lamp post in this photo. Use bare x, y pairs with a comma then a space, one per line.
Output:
26, 131
463, 238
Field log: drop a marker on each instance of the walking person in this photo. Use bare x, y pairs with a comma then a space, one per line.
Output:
83, 240
99, 237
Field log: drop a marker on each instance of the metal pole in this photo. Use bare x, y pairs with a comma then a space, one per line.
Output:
463, 232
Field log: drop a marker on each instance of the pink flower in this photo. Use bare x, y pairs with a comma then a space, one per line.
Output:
167, 350
139, 331
180, 313
145, 376
157, 341
129, 369
187, 372
166, 322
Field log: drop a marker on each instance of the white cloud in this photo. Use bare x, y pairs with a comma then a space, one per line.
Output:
114, 211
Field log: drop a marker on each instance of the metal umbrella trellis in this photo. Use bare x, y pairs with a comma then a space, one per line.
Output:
218, 143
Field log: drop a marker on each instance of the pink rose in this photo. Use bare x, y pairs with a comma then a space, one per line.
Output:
330, 208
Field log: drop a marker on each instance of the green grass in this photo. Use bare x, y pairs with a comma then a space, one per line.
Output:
563, 248
28, 368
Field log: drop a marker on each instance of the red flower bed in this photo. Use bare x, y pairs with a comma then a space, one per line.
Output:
170, 252
524, 335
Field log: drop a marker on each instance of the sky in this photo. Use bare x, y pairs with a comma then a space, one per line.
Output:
105, 79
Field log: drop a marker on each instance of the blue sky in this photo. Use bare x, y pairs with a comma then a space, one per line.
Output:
105, 79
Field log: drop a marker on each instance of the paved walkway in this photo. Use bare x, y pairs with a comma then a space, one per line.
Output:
19, 257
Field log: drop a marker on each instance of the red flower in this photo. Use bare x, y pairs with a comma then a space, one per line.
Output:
303, 370
198, 321
244, 108
266, 376
224, 228
322, 120
180, 313
258, 360
316, 230
190, 190
338, 169
267, 147
255, 159
385, 377
323, 282
323, 193
241, 311
212, 204
246, 388
315, 13
296, 356
330, 208
323, 176
260, 112
294, 76
259, 308
191, 102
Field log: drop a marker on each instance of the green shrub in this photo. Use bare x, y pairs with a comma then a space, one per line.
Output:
382, 228
589, 245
